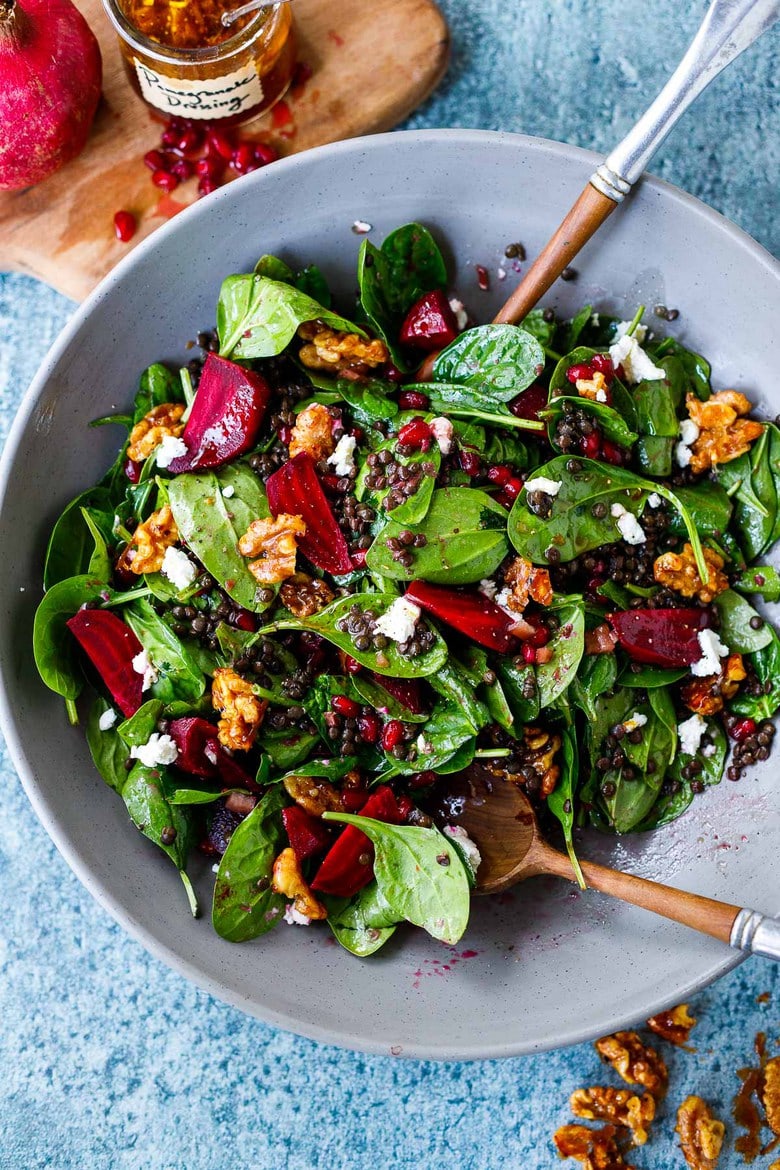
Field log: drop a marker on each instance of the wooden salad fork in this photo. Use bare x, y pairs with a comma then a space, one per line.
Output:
499, 818
729, 27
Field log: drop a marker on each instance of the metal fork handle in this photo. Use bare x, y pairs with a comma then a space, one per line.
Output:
757, 934
729, 27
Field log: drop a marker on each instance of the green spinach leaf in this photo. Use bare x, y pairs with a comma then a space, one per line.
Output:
53, 645
362, 924
169, 827
568, 646
560, 802
180, 674
107, 749
245, 905
494, 361
258, 317
71, 543
736, 630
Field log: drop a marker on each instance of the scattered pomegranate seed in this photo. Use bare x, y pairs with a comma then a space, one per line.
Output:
264, 153
244, 620
469, 462
189, 140
529, 653
405, 807
422, 779
243, 158
540, 635
206, 186
483, 277
593, 590
182, 169
345, 706
210, 167
742, 729
285, 433
413, 400
155, 160
132, 470
590, 445
499, 474
125, 226
574, 373
611, 453
513, 488
351, 665
392, 734
392, 373
170, 135
602, 363
359, 558
369, 728
415, 434
219, 143
165, 181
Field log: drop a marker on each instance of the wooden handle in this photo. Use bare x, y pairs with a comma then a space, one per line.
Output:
703, 914
586, 217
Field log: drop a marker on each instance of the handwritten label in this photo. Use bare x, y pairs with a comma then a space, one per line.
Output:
202, 98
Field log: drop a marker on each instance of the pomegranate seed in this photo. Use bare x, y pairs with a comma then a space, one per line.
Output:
742, 729
422, 779
612, 453
243, 158
351, 665
503, 500
189, 140
405, 807
413, 400
210, 167
353, 799
415, 434
499, 474
155, 160
219, 143
392, 734
285, 433
469, 462
540, 635
357, 433
206, 186
620, 373
124, 226
359, 558
242, 619
593, 590
170, 136
529, 653
513, 488
602, 363
574, 373
165, 181
264, 154
590, 445
345, 706
369, 728
132, 470
392, 373
182, 169
483, 277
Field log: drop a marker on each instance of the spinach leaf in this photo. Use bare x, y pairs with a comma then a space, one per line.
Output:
158, 385
762, 579
543, 330
287, 748
766, 663
245, 905
670, 806
258, 317
71, 542
419, 874
595, 676
495, 361
212, 525
560, 802
459, 401
520, 689
136, 730
151, 813
364, 923
697, 369
369, 399
197, 796
450, 733
497, 703
612, 424
180, 675
750, 482
633, 798
53, 645
309, 280
99, 564
656, 416
367, 691
649, 677
574, 328
736, 614
106, 747
708, 506
568, 646
465, 540
414, 508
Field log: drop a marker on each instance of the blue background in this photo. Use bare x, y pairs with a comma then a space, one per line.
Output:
110, 1059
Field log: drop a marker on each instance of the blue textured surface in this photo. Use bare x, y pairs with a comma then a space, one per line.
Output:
111, 1060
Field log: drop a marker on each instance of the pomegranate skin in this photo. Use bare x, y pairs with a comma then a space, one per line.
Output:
50, 83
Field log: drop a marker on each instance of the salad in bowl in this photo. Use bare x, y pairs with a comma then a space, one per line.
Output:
312, 587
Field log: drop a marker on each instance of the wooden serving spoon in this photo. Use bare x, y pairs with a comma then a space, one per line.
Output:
500, 820
729, 27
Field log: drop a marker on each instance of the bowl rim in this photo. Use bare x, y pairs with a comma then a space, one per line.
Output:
343, 1036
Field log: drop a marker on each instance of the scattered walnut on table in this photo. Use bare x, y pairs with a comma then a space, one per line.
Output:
274, 541
724, 433
706, 696
677, 571
674, 1025
525, 583
242, 711
621, 1107
334, 351
304, 595
636, 1062
146, 549
313, 794
596, 1149
313, 433
701, 1134
158, 422
288, 880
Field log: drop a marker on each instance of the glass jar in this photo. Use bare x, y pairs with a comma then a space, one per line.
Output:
183, 63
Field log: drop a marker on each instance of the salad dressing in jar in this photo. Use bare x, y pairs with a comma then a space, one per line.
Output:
183, 62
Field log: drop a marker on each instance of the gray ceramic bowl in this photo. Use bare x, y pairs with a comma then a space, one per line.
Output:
543, 966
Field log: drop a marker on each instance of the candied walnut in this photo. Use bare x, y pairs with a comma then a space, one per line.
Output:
313, 433
242, 712
524, 583
146, 550
537, 752
706, 696
723, 433
334, 351
678, 571
770, 1094
596, 1149
314, 795
618, 1106
634, 1061
701, 1134
288, 880
147, 434
675, 1025
304, 595
274, 542
594, 388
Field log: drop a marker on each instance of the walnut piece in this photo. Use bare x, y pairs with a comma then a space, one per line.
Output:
678, 571
594, 388
617, 1106
674, 1025
304, 595
636, 1063
242, 712
596, 1149
147, 434
770, 1093
313, 433
701, 1135
288, 880
274, 542
527, 583
313, 794
723, 433
146, 550
334, 351
706, 696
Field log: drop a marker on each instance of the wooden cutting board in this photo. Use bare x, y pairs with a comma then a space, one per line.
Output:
371, 64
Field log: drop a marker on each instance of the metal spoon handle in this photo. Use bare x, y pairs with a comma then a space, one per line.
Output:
756, 934
229, 18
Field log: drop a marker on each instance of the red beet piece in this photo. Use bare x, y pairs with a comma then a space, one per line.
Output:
225, 417
468, 611
111, 646
661, 637
295, 489
347, 866
430, 324
201, 754
530, 403
308, 835
406, 690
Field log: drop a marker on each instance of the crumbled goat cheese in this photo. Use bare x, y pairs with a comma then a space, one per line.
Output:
142, 665
501, 272
459, 309
343, 458
502, 601
709, 750
423, 745
637, 366
228, 491
170, 448
178, 568
601, 396
399, 621
636, 719
542, 484
107, 719
622, 328
361, 228
442, 433
488, 587
595, 320
682, 455
712, 650
690, 733
158, 749
628, 525
654, 500
468, 849
689, 431
294, 917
